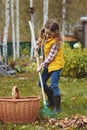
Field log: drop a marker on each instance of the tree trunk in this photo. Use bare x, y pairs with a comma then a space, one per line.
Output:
63, 17
13, 30
5, 37
45, 11
32, 20
17, 27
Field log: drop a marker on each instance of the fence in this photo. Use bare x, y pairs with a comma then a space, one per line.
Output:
22, 45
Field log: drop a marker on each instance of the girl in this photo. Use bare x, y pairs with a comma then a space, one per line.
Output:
53, 62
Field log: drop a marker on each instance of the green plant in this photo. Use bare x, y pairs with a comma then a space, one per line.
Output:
24, 50
75, 61
31, 67
24, 65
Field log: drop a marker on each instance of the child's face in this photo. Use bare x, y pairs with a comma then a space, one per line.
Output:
48, 33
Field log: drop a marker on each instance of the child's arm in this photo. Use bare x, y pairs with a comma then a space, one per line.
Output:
50, 57
39, 41
37, 46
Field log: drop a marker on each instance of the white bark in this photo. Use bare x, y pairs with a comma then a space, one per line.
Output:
17, 27
31, 3
32, 42
63, 16
45, 11
13, 30
5, 37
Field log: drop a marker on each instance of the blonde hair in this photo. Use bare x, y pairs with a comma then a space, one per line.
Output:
53, 26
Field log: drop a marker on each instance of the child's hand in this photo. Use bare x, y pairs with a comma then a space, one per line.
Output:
42, 31
39, 68
36, 54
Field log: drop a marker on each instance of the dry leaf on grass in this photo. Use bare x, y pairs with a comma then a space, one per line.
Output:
71, 122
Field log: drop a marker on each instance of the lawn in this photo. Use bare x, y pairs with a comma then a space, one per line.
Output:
73, 95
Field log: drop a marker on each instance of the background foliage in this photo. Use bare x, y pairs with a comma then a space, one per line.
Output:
74, 11
75, 61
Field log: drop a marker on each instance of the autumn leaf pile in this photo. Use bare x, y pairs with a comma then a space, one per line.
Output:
67, 123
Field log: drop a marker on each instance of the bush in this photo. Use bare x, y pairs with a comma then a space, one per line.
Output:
24, 65
75, 61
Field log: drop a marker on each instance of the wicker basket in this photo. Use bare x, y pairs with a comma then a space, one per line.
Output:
20, 111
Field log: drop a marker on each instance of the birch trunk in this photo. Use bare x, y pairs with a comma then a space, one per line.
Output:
45, 16
45, 11
32, 42
17, 27
5, 37
63, 17
13, 30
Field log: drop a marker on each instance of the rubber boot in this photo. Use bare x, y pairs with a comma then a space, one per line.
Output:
50, 102
56, 104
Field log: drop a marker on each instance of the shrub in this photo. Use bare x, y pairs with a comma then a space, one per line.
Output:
75, 61
24, 65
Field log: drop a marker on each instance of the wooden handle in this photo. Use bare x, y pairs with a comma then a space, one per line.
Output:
37, 58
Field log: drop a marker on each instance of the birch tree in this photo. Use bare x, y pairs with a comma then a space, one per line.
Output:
5, 37
45, 11
17, 27
13, 30
63, 17
32, 20
45, 16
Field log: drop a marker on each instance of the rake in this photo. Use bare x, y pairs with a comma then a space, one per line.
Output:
45, 111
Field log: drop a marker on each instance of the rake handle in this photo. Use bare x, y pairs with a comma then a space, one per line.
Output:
37, 59
41, 81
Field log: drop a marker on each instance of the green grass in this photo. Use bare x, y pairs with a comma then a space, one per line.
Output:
73, 97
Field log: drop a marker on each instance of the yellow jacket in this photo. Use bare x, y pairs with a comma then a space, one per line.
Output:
58, 61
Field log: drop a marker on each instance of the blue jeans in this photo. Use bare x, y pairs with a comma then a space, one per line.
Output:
54, 81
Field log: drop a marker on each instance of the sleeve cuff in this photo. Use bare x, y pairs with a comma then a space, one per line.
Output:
42, 65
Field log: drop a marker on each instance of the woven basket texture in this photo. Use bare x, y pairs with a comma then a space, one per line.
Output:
21, 111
